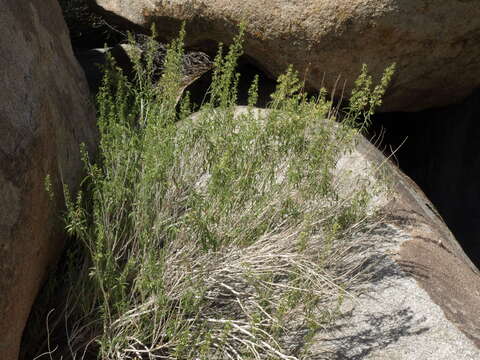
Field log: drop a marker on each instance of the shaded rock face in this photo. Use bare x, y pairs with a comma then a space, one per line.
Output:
45, 114
435, 44
195, 63
440, 153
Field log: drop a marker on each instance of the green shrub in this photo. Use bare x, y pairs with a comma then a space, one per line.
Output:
221, 235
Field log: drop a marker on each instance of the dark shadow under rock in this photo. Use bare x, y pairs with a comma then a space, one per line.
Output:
440, 153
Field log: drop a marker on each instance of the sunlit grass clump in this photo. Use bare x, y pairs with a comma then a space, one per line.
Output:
223, 235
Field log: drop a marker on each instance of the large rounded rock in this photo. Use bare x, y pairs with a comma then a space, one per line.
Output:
416, 293
45, 113
435, 44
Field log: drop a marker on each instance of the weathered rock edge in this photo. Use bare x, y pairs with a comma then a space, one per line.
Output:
425, 299
433, 256
45, 113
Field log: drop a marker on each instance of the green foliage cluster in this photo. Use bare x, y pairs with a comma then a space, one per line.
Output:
218, 235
